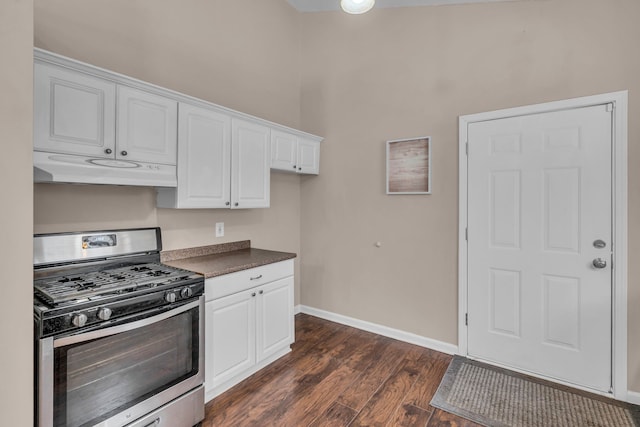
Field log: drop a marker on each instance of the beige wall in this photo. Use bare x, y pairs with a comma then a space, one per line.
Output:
400, 73
241, 54
16, 117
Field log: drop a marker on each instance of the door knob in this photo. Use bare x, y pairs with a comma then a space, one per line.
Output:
599, 263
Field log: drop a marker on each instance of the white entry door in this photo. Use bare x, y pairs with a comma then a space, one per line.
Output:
539, 244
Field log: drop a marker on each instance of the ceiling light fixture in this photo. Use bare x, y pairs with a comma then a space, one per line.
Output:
357, 7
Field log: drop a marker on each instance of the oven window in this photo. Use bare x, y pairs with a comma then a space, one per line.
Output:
96, 379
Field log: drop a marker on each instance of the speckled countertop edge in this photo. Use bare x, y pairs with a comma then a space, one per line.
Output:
217, 260
176, 254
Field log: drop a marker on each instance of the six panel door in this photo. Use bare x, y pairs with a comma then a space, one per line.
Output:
539, 199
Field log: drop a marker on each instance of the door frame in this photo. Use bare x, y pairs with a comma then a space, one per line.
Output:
619, 218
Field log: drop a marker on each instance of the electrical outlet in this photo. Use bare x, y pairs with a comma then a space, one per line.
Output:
219, 229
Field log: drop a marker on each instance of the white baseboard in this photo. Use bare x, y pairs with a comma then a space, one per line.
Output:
379, 329
633, 397
297, 309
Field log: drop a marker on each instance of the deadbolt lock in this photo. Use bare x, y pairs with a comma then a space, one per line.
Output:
600, 244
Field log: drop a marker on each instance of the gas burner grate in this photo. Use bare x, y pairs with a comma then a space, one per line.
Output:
76, 287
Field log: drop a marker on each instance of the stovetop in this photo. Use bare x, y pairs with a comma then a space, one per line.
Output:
81, 300
72, 288
90, 280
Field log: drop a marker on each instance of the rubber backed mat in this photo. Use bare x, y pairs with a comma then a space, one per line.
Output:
497, 397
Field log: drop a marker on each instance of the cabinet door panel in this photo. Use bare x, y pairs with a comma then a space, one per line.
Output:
250, 165
204, 158
275, 317
230, 337
147, 127
283, 151
74, 113
308, 157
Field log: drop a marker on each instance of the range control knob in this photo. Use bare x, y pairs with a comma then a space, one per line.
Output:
79, 320
170, 297
104, 313
186, 292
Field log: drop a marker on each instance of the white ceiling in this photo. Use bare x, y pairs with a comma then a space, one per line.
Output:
326, 5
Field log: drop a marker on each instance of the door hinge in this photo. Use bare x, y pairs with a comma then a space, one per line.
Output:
466, 234
610, 107
466, 319
466, 147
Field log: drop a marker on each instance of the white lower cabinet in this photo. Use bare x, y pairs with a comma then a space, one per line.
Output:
249, 323
230, 345
274, 316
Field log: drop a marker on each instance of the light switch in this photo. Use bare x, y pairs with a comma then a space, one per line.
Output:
219, 229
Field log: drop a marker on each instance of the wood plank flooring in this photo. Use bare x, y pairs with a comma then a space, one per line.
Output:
339, 376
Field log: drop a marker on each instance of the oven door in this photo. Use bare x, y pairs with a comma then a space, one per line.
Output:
114, 376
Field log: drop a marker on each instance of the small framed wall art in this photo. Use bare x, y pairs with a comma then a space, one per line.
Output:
409, 166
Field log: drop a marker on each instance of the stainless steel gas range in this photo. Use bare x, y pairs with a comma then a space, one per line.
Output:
119, 336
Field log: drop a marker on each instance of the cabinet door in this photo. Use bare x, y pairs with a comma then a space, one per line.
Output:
230, 337
308, 157
147, 127
204, 158
74, 113
283, 151
275, 317
250, 165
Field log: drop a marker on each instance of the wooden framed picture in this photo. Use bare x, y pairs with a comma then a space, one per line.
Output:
409, 166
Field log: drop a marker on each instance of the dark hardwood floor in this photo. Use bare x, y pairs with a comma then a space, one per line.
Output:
339, 376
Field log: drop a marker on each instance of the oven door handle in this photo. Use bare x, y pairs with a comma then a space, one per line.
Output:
101, 333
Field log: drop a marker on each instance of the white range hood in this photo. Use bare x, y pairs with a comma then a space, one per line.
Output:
52, 167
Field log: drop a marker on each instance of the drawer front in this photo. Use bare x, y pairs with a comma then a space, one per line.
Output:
216, 287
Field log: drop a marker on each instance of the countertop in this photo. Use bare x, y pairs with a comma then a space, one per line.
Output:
225, 258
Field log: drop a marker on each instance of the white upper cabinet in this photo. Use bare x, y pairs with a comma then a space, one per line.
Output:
291, 153
308, 156
223, 162
250, 165
147, 127
284, 148
204, 160
74, 113
96, 126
